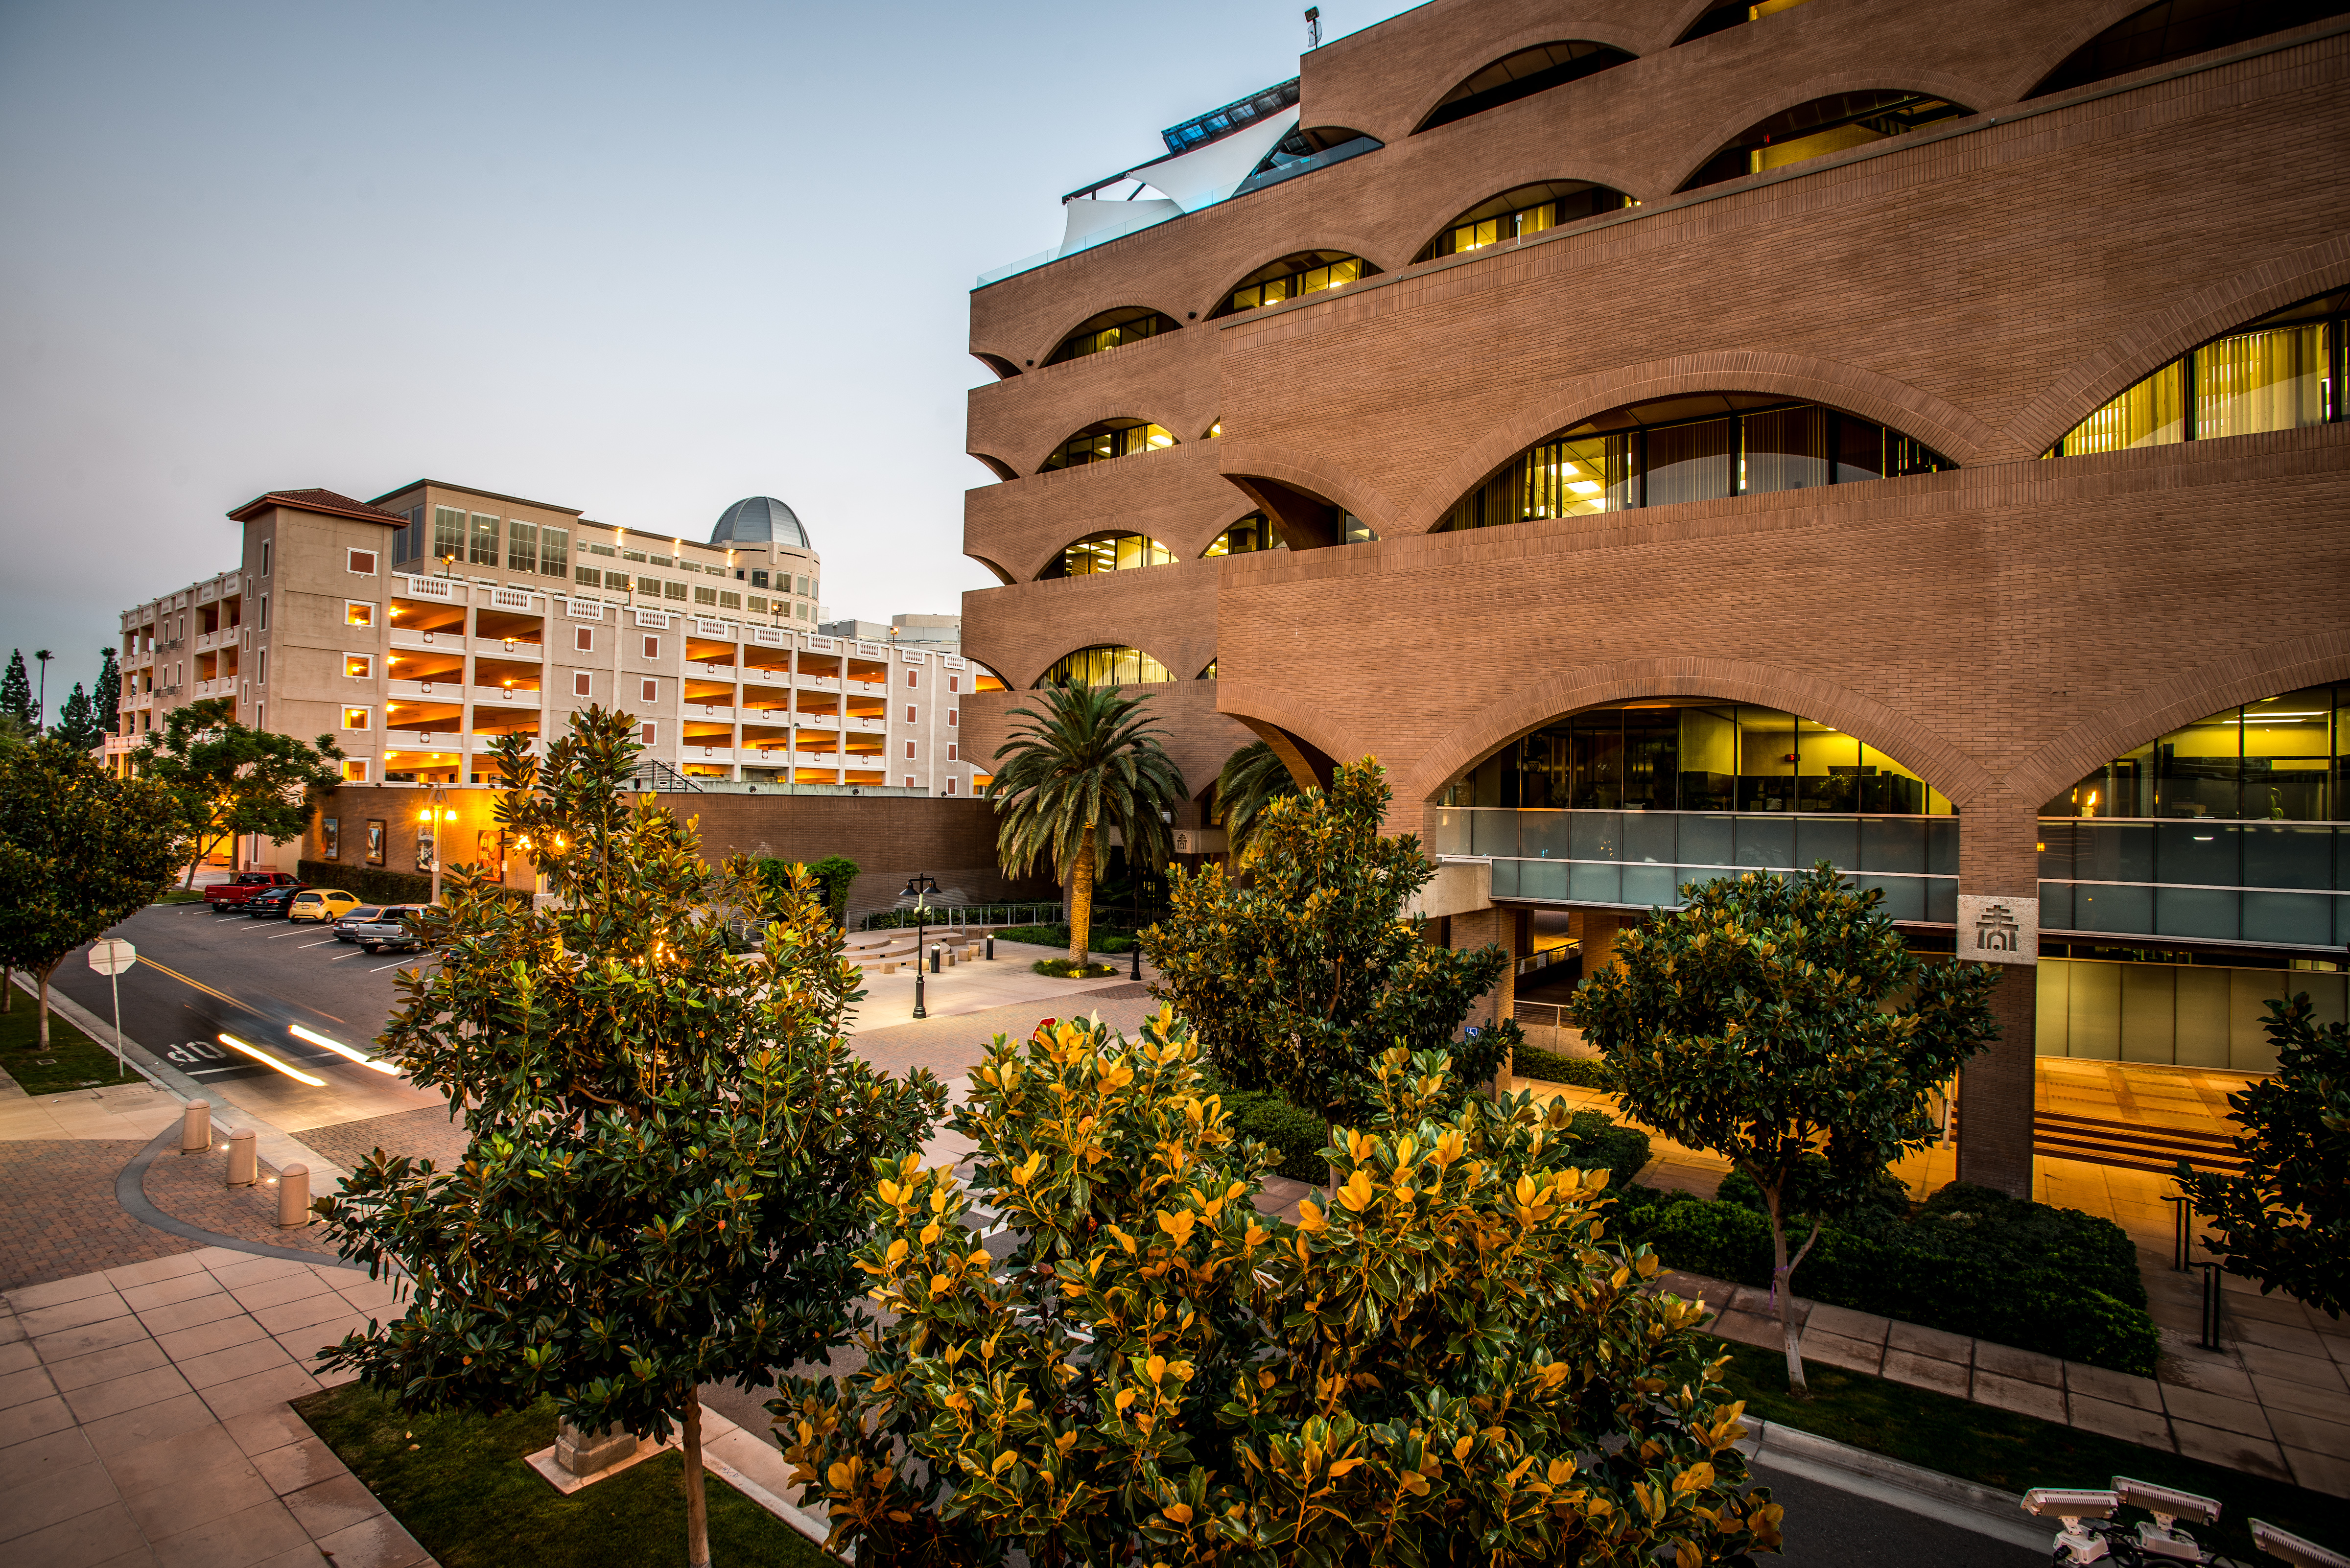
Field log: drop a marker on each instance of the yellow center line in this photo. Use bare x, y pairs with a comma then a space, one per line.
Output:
199, 986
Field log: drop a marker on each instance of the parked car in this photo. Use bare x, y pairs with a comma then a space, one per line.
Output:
393, 931
350, 920
321, 904
232, 893
270, 903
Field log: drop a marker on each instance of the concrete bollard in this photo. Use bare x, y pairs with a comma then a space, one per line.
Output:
243, 1162
294, 1195
196, 1128
935, 958
990, 946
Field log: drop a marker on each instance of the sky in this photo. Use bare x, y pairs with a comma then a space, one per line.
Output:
642, 261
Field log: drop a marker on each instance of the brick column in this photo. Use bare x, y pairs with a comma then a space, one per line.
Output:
1998, 858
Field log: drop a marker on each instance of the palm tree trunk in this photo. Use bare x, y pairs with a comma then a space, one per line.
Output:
1081, 900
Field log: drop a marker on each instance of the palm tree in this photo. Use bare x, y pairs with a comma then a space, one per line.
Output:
1088, 760
1253, 779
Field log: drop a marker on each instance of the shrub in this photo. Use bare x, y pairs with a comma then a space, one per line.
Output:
374, 885
1103, 938
1062, 969
1298, 1137
1550, 1067
1597, 1142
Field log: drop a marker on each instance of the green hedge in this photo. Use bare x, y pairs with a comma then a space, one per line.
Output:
1597, 1142
374, 885
1100, 939
1972, 1261
1582, 1072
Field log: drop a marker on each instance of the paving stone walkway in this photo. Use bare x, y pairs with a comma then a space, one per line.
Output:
144, 1423
61, 1218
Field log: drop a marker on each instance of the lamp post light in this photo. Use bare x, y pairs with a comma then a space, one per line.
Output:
918, 888
435, 813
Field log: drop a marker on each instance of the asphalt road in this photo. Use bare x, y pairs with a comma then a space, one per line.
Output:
200, 975
1829, 1528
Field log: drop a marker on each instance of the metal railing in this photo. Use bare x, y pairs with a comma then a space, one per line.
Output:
2282, 884
1031, 914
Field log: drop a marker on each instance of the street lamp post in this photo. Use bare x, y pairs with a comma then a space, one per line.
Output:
434, 813
918, 888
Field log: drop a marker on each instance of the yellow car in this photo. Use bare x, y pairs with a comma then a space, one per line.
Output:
321, 904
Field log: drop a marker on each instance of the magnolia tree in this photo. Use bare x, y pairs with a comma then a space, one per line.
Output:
1302, 974
2285, 1222
1449, 1363
1785, 1026
231, 779
80, 851
670, 1148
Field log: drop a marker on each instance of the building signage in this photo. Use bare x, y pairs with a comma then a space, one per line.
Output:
1999, 929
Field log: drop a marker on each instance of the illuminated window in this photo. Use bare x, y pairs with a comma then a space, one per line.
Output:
1720, 18
2283, 758
1822, 126
2281, 373
1522, 75
360, 665
1528, 210
358, 614
482, 550
448, 533
355, 770
1702, 447
356, 717
1293, 277
1105, 665
1110, 329
1253, 532
1216, 430
1098, 552
361, 562
1108, 439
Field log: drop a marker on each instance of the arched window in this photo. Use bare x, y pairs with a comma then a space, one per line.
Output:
2283, 758
1105, 664
1253, 532
1209, 672
1107, 438
1305, 150
2174, 29
1704, 447
1720, 18
1293, 276
1111, 552
1112, 329
1528, 210
1522, 75
1822, 126
2279, 373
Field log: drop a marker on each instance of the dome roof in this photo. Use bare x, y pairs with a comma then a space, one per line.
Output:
759, 520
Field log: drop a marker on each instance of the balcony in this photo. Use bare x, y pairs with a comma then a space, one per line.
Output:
2277, 884
1640, 860
503, 696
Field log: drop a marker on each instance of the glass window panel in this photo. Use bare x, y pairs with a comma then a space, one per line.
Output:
2255, 381
1764, 843
1860, 449
2196, 769
554, 552
1786, 448
522, 548
448, 533
485, 551
2152, 413
1767, 752
2289, 756
1692, 462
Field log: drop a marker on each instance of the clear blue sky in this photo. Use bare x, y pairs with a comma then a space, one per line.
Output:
640, 260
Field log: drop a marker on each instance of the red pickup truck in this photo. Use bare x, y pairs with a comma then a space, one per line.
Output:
230, 894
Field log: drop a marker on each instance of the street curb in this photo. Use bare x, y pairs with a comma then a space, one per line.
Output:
130, 1191
1984, 1509
272, 1142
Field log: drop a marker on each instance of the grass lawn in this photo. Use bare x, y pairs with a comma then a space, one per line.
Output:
73, 1060
2015, 1453
183, 895
458, 1485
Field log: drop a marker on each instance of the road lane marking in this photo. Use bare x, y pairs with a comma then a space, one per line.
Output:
283, 935
315, 1038
401, 965
199, 986
327, 943
266, 1060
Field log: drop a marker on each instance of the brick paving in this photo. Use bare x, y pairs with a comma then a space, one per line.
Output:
195, 1188
426, 1133
61, 1218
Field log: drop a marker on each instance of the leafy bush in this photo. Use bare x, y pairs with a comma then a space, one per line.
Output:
1101, 939
1594, 1141
1297, 1137
1973, 1261
1550, 1067
1062, 969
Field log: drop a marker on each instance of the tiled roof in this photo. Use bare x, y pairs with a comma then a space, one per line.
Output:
327, 500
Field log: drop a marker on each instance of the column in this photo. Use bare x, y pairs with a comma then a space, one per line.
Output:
1999, 924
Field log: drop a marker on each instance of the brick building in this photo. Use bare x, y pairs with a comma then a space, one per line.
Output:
1674, 436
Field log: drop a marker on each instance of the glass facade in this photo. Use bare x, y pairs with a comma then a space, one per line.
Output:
1253, 532
1098, 552
2280, 884
1822, 126
1112, 329
1720, 18
2174, 29
1699, 448
1110, 439
1105, 665
2283, 758
1295, 276
1522, 75
1528, 210
1691, 754
2279, 373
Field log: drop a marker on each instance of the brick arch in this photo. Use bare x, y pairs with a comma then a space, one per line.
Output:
1280, 716
1948, 430
2164, 335
1244, 459
1471, 50
2098, 16
1372, 252
1528, 708
1531, 169
1028, 677
2264, 671
1035, 461
1060, 334
1974, 94
1037, 564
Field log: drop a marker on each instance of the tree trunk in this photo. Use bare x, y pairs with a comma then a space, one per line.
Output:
1081, 901
1782, 1272
696, 1506
7, 989
45, 1006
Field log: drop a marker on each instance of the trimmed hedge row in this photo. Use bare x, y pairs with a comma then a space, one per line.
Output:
1972, 1261
1584, 1072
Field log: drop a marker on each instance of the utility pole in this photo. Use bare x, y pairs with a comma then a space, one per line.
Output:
41, 704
